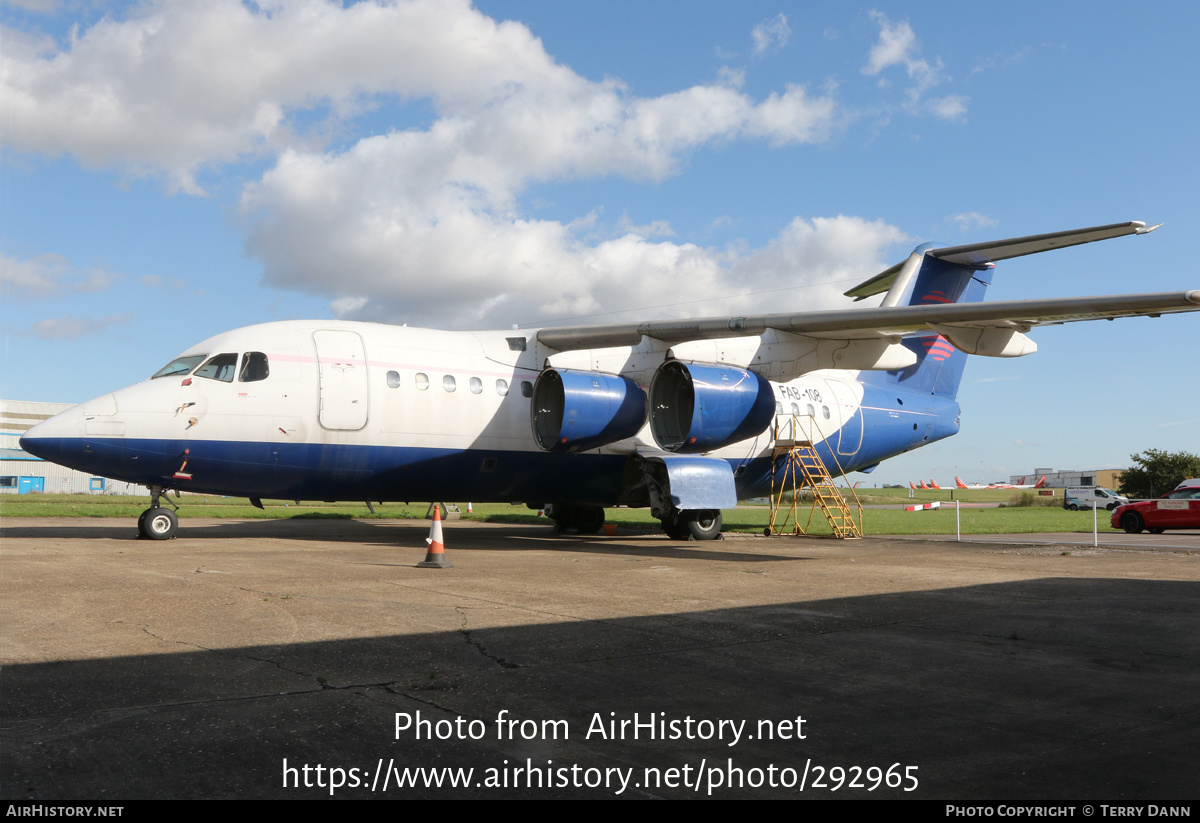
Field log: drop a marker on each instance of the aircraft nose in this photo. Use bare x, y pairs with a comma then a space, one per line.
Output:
52, 438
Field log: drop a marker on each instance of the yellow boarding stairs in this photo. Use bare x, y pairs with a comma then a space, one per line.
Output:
804, 469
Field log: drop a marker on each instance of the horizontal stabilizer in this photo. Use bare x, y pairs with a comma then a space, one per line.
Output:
981, 254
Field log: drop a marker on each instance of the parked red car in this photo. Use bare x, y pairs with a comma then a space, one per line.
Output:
1179, 509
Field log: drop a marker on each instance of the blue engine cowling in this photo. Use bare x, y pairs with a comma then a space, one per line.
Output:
574, 411
698, 408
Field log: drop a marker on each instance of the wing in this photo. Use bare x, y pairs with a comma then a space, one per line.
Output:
875, 322
935, 291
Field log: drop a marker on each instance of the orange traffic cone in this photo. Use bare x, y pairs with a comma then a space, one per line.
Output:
435, 558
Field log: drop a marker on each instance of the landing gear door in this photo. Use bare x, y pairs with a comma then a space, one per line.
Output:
342, 362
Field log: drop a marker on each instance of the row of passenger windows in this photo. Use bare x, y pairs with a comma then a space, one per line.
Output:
811, 412
221, 367
450, 384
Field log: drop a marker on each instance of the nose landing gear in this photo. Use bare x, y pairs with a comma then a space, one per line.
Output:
156, 522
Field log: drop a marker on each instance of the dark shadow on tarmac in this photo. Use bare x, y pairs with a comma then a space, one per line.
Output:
1047, 689
410, 533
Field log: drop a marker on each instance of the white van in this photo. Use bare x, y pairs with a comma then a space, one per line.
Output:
1092, 497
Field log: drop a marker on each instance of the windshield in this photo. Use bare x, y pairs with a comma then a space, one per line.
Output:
180, 365
220, 367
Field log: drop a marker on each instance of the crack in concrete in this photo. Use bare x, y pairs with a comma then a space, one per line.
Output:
479, 647
226, 653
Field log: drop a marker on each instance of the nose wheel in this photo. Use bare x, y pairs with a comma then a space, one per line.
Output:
157, 522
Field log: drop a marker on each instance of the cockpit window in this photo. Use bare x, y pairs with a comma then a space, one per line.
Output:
180, 365
254, 367
219, 367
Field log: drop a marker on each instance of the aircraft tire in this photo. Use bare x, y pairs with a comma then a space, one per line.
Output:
1132, 523
674, 526
589, 519
158, 524
704, 524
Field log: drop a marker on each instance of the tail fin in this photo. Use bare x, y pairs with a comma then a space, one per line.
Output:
1041, 482
939, 367
933, 484
958, 482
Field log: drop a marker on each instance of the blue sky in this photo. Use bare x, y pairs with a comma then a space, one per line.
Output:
171, 170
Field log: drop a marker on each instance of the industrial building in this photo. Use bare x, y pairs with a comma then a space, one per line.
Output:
1067, 478
22, 473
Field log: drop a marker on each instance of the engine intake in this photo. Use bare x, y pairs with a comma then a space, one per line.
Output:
698, 408
574, 411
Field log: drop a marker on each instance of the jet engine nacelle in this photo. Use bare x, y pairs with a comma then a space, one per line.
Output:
697, 408
574, 411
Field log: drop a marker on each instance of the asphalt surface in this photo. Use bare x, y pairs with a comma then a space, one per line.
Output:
223, 663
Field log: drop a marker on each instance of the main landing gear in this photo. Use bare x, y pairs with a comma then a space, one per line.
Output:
693, 524
583, 519
156, 522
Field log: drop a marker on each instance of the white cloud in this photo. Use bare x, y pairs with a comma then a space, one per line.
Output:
424, 223
181, 86
973, 220
897, 46
655, 228
48, 275
68, 326
770, 35
347, 226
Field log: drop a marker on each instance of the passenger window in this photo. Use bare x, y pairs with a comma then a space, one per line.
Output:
448, 383
812, 412
422, 381
221, 367
476, 386
795, 409
502, 387
393, 379
778, 407
254, 367
825, 412
526, 388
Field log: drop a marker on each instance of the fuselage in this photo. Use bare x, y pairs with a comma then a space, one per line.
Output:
333, 410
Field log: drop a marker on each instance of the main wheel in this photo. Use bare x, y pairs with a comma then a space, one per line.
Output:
704, 524
158, 524
674, 526
589, 519
1132, 522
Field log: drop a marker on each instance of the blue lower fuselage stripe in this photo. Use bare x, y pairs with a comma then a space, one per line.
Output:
881, 428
